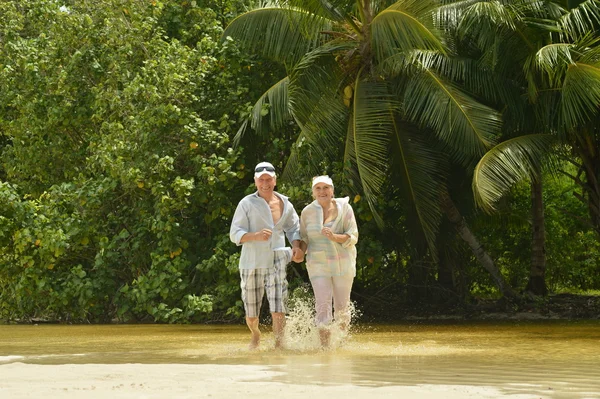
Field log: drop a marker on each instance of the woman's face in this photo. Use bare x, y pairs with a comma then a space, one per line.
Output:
322, 192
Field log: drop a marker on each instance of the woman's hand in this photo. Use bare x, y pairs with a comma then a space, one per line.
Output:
326, 231
297, 255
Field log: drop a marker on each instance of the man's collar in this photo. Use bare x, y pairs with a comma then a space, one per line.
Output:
281, 196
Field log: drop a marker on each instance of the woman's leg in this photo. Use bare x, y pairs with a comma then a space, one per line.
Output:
323, 290
342, 285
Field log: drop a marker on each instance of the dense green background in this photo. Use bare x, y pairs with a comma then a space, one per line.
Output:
118, 177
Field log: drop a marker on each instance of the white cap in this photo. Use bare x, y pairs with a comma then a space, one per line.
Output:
262, 168
322, 179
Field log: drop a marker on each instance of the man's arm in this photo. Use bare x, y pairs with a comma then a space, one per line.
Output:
240, 225
262, 235
293, 234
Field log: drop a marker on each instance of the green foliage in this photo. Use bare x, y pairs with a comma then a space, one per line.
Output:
120, 151
572, 247
118, 175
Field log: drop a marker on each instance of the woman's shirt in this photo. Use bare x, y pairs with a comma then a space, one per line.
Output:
326, 258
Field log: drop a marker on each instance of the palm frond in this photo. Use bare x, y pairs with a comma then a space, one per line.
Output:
335, 10
580, 94
274, 102
315, 99
420, 9
554, 60
587, 48
533, 78
539, 9
328, 9
543, 114
507, 163
404, 26
469, 73
280, 34
416, 166
581, 20
465, 125
312, 154
498, 29
371, 123
494, 13
350, 166
448, 16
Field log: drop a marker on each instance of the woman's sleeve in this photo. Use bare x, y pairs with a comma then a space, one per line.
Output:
303, 231
350, 227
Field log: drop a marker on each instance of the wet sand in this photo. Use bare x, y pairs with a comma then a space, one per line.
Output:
146, 381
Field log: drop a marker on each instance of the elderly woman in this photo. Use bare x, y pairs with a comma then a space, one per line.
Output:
329, 234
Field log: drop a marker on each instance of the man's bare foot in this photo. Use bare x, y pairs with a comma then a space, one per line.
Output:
279, 343
255, 340
278, 327
252, 323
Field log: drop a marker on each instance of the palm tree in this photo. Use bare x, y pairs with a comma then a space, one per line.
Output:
560, 72
502, 36
380, 75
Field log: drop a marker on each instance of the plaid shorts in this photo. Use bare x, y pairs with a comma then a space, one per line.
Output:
254, 282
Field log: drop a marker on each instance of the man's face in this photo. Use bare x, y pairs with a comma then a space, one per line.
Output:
265, 183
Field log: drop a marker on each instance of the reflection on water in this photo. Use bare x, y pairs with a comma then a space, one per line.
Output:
553, 359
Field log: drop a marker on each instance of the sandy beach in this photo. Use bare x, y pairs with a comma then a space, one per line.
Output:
146, 381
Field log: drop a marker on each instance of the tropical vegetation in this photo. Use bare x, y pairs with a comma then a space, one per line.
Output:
463, 131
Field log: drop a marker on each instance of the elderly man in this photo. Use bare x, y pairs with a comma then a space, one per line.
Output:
260, 222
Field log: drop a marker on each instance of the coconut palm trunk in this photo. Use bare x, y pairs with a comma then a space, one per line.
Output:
480, 253
537, 275
585, 149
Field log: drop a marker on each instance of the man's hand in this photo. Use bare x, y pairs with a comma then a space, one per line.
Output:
297, 255
263, 235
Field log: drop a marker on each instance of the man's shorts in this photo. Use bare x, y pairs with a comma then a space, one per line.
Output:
255, 281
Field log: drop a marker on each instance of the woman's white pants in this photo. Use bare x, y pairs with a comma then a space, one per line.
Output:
334, 290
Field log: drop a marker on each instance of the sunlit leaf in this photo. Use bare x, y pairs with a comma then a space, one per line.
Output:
509, 162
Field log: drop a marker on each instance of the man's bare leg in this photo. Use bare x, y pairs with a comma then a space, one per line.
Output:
252, 323
278, 326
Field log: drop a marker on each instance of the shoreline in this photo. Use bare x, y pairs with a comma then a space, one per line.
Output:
554, 307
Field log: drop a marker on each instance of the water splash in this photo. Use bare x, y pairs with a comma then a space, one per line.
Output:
301, 333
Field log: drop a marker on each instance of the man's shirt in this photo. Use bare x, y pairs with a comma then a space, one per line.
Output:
253, 214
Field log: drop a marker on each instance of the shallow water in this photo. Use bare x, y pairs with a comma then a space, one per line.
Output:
551, 359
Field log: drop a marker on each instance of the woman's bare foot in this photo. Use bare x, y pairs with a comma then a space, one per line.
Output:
325, 336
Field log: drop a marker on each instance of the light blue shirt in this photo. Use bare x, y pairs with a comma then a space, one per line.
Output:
253, 214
